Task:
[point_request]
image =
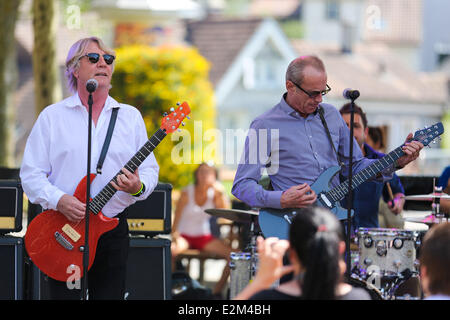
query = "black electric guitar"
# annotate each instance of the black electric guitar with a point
(276, 222)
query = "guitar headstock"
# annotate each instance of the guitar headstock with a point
(427, 135)
(172, 121)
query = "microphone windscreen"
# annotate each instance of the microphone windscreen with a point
(91, 85)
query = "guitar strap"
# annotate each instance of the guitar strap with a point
(322, 118)
(112, 123)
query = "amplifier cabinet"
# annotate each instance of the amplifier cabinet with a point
(11, 268)
(149, 271)
(11, 198)
(153, 215)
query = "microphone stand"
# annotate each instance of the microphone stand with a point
(84, 283)
(350, 193)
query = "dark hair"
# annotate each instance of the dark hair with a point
(315, 235)
(346, 108)
(216, 173)
(435, 256)
(376, 134)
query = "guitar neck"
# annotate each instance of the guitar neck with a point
(339, 192)
(108, 191)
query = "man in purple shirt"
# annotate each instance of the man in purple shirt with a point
(290, 142)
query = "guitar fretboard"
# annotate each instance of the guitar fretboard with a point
(108, 191)
(339, 192)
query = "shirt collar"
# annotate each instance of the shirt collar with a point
(75, 101)
(289, 110)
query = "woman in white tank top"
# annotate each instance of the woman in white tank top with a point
(191, 227)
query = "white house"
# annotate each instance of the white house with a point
(248, 60)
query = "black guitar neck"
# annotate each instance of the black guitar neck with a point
(339, 192)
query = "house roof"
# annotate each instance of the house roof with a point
(220, 41)
(377, 72)
(398, 22)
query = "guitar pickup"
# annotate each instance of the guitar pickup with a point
(287, 218)
(325, 200)
(63, 241)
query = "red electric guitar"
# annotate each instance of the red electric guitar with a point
(56, 245)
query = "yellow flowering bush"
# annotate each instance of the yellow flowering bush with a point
(154, 79)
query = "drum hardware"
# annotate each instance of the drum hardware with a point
(436, 215)
(243, 265)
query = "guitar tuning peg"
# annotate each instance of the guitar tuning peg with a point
(189, 118)
(178, 103)
(165, 114)
(172, 109)
(183, 124)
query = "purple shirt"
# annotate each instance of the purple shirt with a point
(299, 150)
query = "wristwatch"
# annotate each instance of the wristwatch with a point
(140, 192)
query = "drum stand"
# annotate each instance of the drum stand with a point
(435, 207)
(252, 248)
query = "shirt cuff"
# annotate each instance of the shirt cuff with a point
(54, 199)
(273, 199)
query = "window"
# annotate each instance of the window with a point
(332, 10)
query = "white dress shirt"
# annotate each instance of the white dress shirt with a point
(55, 156)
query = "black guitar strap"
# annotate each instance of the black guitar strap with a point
(112, 123)
(322, 118)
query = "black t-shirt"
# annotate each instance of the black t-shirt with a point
(273, 294)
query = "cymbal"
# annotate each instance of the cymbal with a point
(427, 197)
(429, 220)
(234, 214)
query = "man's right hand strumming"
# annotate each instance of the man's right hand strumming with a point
(299, 196)
(71, 207)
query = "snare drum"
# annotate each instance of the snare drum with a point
(387, 251)
(242, 271)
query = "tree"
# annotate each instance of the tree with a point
(45, 68)
(154, 79)
(8, 75)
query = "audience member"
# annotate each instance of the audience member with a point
(435, 262)
(191, 226)
(316, 247)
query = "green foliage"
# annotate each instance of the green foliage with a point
(446, 136)
(293, 29)
(154, 79)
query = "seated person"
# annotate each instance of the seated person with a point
(316, 248)
(389, 210)
(191, 226)
(444, 182)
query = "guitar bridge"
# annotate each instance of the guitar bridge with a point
(63, 241)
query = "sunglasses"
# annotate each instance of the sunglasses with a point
(313, 94)
(94, 57)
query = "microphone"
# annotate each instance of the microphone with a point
(91, 85)
(350, 94)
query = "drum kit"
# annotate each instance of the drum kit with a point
(384, 261)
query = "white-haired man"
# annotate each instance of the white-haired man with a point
(55, 156)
